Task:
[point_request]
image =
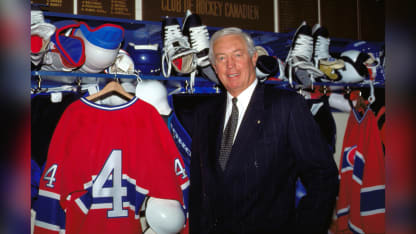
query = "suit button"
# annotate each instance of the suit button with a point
(216, 222)
(213, 226)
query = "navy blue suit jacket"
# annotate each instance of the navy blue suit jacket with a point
(277, 142)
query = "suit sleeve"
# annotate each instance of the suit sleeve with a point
(316, 168)
(195, 192)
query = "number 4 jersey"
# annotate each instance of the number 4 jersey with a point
(102, 162)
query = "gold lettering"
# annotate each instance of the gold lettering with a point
(163, 5)
(204, 7)
(227, 9)
(219, 4)
(201, 7)
(171, 5)
(256, 15)
(210, 7)
(241, 11)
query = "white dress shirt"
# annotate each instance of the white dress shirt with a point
(242, 103)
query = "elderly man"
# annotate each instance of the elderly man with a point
(249, 146)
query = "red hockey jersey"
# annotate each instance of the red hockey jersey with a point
(102, 163)
(361, 199)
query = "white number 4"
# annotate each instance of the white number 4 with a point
(111, 171)
(179, 170)
(50, 175)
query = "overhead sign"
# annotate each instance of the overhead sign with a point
(56, 5)
(109, 8)
(246, 14)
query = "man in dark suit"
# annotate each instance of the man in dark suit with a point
(248, 185)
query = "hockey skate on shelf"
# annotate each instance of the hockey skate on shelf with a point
(177, 51)
(321, 57)
(199, 38)
(299, 66)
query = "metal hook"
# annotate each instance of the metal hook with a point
(138, 78)
(78, 82)
(115, 77)
(186, 86)
(192, 82)
(217, 88)
(372, 98)
(347, 90)
(39, 82)
(37, 89)
(325, 90)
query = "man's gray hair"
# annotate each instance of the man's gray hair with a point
(230, 31)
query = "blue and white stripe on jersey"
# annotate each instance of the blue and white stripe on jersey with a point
(52, 218)
(133, 200)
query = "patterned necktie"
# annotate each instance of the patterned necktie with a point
(228, 135)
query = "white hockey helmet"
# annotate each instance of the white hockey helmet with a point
(164, 216)
(154, 93)
(101, 45)
(355, 70)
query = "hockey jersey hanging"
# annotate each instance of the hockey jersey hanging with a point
(102, 163)
(361, 199)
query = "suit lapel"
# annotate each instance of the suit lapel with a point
(215, 123)
(250, 125)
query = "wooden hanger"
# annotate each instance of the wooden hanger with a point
(111, 87)
(361, 105)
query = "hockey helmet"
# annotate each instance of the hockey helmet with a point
(355, 70)
(377, 53)
(146, 58)
(164, 216)
(101, 45)
(367, 47)
(154, 93)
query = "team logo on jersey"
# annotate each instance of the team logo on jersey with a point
(353, 160)
(348, 158)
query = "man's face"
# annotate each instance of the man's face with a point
(233, 65)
